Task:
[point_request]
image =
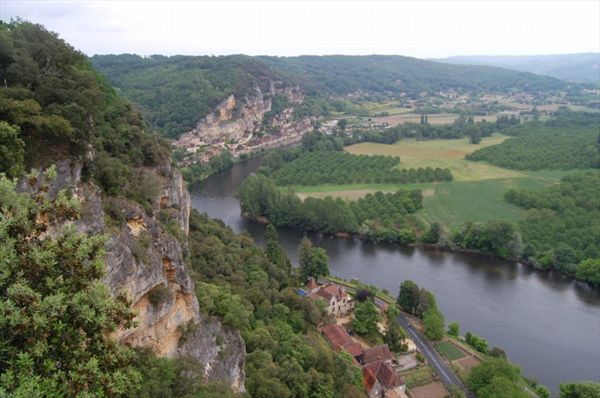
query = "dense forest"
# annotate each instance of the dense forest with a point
(545, 147)
(53, 105)
(562, 226)
(252, 289)
(342, 74)
(175, 92)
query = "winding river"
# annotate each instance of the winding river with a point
(547, 323)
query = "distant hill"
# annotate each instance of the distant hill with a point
(342, 74)
(584, 67)
(175, 92)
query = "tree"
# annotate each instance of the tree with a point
(274, 251)
(366, 317)
(408, 297)
(313, 261)
(433, 324)
(56, 315)
(453, 329)
(589, 270)
(12, 150)
(395, 337)
(586, 389)
(494, 375)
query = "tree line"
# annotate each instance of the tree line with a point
(377, 216)
(315, 168)
(544, 147)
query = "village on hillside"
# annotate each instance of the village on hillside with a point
(386, 373)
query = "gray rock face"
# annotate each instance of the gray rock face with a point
(146, 263)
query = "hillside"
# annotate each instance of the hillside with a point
(341, 74)
(584, 67)
(174, 93)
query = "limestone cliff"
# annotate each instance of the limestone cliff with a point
(145, 261)
(235, 122)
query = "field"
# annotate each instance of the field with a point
(476, 194)
(450, 351)
(434, 118)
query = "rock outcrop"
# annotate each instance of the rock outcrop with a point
(145, 261)
(235, 122)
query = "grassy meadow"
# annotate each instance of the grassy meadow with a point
(476, 194)
(432, 118)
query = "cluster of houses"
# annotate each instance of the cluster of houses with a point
(379, 378)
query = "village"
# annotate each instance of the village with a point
(385, 373)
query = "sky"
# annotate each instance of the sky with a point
(423, 29)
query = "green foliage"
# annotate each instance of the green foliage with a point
(313, 261)
(175, 92)
(585, 389)
(454, 329)
(433, 324)
(544, 147)
(332, 167)
(56, 315)
(287, 357)
(341, 74)
(377, 217)
(415, 300)
(497, 237)
(365, 319)
(562, 224)
(12, 150)
(496, 378)
(159, 295)
(394, 336)
(479, 343)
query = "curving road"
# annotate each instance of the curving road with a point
(441, 368)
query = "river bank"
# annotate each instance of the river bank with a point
(518, 308)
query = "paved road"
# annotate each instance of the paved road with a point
(441, 368)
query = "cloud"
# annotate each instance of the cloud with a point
(423, 29)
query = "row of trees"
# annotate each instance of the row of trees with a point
(377, 216)
(543, 147)
(317, 168)
(562, 225)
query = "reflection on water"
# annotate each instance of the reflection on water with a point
(547, 323)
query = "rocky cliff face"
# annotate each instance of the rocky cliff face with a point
(234, 120)
(145, 262)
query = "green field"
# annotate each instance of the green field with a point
(450, 351)
(476, 194)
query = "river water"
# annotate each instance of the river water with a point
(547, 323)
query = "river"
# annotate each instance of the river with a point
(547, 323)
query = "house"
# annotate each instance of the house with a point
(340, 340)
(381, 381)
(339, 303)
(379, 353)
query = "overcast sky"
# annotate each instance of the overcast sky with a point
(421, 29)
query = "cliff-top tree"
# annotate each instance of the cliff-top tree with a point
(56, 315)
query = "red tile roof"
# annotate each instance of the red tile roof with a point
(379, 353)
(380, 371)
(329, 291)
(341, 340)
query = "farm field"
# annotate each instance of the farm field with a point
(476, 194)
(439, 118)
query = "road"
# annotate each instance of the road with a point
(441, 368)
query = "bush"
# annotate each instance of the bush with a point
(159, 295)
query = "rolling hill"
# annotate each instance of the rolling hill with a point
(583, 67)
